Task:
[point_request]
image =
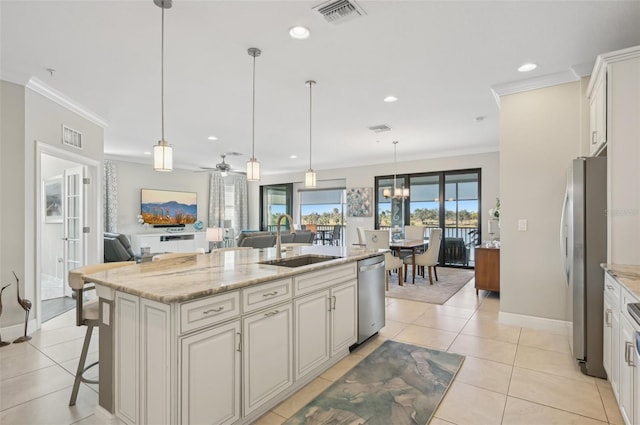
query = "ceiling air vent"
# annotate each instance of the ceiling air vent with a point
(338, 11)
(380, 128)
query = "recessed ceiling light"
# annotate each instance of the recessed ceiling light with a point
(527, 67)
(147, 153)
(212, 138)
(390, 99)
(293, 156)
(479, 118)
(299, 32)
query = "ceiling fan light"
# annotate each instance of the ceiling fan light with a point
(253, 170)
(163, 156)
(310, 178)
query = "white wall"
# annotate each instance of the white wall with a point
(363, 176)
(27, 119)
(133, 176)
(540, 132)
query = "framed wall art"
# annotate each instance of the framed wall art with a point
(360, 202)
(53, 200)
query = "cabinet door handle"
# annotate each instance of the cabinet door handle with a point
(213, 310)
(270, 294)
(628, 353)
(239, 349)
(334, 301)
(271, 313)
(608, 317)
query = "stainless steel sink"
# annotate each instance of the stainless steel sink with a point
(301, 260)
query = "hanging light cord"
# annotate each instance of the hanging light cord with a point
(395, 166)
(162, 74)
(253, 112)
(310, 106)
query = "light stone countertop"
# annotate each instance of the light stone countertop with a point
(187, 278)
(627, 275)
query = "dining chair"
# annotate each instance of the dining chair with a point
(87, 314)
(429, 258)
(170, 255)
(379, 239)
(334, 236)
(412, 233)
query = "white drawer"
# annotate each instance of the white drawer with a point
(209, 311)
(612, 290)
(313, 281)
(260, 296)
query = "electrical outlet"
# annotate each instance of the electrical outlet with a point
(522, 225)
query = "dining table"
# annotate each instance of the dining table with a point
(409, 244)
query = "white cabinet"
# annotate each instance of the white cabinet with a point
(598, 112)
(210, 376)
(614, 93)
(344, 318)
(169, 242)
(267, 355)
(626, 396)
(326, 322)
(312, 331)
(619, 348)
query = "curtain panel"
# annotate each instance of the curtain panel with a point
(241, 201)
(216, 200)
(110, 204)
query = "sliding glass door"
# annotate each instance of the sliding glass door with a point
(275, 200)
(461, 206)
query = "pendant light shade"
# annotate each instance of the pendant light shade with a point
(162, 156)
(310, 175)
(162, 152)
(253, 166)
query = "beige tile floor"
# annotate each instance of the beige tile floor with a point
(510, 375)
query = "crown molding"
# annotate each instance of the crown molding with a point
(541, 82)
(612, 57)
(14, 77)
(62, 100)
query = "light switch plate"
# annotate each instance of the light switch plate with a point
(522, 225)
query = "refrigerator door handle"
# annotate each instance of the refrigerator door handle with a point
(564, 237)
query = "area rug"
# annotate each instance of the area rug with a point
(450, 280)
(396, 384)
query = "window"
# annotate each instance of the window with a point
(323, 209)
(449, 200)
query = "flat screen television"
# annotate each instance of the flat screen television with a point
(168, 207)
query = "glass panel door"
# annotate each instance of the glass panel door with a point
(275, 201)
(461, 206)
(73, 215)
(322, 211)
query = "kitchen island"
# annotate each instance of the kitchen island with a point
(222, 337)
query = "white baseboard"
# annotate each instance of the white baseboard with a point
(561, 327)
(14, 331)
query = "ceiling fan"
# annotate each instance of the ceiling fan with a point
(223, 166)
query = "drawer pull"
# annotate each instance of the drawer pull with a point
(270, 294)
(213, 310)
(609, 286)
(271, 313)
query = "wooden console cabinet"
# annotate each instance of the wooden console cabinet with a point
(487, 269)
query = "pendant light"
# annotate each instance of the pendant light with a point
(253, 166)
(398, 192)
(162, 152)
(310, 175)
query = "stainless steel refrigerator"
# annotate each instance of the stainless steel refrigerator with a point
(584, 247)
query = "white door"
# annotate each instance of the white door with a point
(73, 220)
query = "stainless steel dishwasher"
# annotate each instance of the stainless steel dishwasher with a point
(371, 304)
